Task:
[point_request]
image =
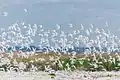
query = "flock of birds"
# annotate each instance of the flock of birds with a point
(55, 40)
(21, 34)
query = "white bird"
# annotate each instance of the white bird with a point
(71, 25)
(91, 25)
(40, 26)
(87, 32)
(58, 26)
(25, 10)
(106, 24)
(82, 27)
(5, 14)
(22, 23)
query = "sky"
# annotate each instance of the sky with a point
(63, 12)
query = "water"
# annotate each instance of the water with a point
(62, 12)
(27, 37)
(66, 24)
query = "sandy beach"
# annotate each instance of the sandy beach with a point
(60, 75)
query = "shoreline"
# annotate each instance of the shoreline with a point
(61, 75)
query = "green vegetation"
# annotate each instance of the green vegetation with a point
(89, 62)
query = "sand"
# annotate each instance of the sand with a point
(60, 75)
